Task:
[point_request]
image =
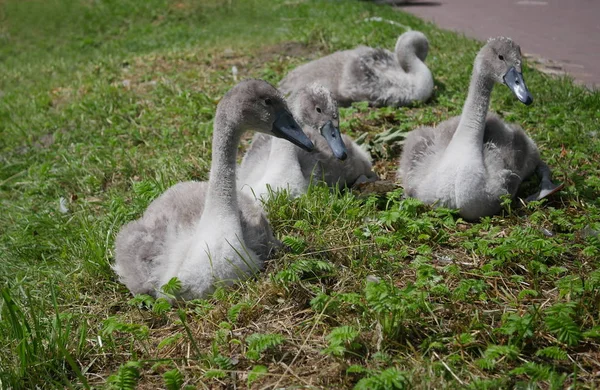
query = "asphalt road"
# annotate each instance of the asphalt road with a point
(564, 35)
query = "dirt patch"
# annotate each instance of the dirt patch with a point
(62, 96)
(45, 141)
(199, 69)
(287, 49)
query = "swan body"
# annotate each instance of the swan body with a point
(468, 162)
(205, 233)
(338, 160)
(140, 243)
(377, 76)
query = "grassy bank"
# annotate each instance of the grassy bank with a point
(105, 104)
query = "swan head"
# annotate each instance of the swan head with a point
(412, 42)
(257, 105)
(315, 107)
(501, 59)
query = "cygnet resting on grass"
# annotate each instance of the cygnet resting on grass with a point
(205, 233)
(470, 161)
(377, 76)
(277, 164)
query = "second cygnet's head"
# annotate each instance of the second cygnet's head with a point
(316, 109)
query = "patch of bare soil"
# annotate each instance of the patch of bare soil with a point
(199, 68)
(287, 49)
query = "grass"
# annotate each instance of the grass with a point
(105, 104)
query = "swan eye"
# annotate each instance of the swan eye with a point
(268, 101)
(501, 57)
(319, 110)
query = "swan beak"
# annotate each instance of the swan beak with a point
(514, 80)
(334, 139)
(285, 127)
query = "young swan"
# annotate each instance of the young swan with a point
(377, 76)
(279, 165)
(197, 231)
(469, 162)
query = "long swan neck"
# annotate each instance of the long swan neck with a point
(410, 63)
(472, 120)
(221, 199)
(407, 57)
(408, 60)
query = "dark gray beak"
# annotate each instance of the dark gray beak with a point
(334, 139)
(514, 81)
(286, 127)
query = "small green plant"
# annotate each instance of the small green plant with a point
(517, 327)
(126, 377)
(113, 324)
(392, 305)
(172, 287)
(223, 362)
(305, 269)
(559, 320)
(173, 379)
(539, 372)
(114, 330)
(342, 340)
(256, 373)
(593, 333)
(159, 306)
(296, 244)
(494, 353)
(388, 379)
(141, 301)
(553, 352)
(258, 343)
(470, 288)
(234, 311)
(169, 340)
